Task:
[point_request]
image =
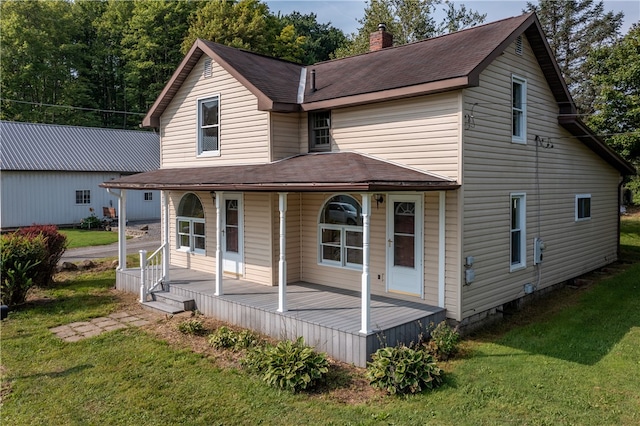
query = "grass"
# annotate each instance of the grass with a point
(572, 358)
(86, 238)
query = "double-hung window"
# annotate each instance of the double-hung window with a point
(583, 207)
(319, 131)
(340, 233)
(518, 249)
(518, 109)
(209, 126)
(191, 225)
(83, 196)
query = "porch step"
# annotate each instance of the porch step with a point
(179, 302)
(162, 307)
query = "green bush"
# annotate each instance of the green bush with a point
(225, 338)
(402, 369)
(19, 260)
(56, 244)
(192, 326)
(288, 365)
(444, 341)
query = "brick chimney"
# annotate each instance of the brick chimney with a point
(380, 39)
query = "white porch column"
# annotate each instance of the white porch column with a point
(219, 291)
(366, 280)
(165, 237)
(441, 246)
(282, 264)
(122, 230)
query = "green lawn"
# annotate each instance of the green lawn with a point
(571, 359)
(85, 238)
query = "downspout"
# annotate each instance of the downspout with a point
(618, 252)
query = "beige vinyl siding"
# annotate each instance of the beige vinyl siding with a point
(244, 131)
(421, 132)
(200, 262)
(314, 272)
(494, 167)
(258, 242)
(285, 130)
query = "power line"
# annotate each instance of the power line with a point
(72, 107)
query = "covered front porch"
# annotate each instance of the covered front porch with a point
(327, 317)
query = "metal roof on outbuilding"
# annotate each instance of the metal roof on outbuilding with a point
(52, 147)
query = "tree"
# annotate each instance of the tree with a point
(151, 48)
(245, 24)
(574, 28)
(617, 105)
(320, 40)
(408, 21)
(40, 61)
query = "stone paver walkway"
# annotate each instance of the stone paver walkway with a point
(83, 329)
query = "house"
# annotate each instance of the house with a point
(473, 181)
(51, 173)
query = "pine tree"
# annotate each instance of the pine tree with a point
(574, 28)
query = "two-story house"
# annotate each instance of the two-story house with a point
(367, 196)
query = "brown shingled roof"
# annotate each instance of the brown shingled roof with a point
(336, 171)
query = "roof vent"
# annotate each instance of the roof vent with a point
(207, 68)
(519, 45)
(380, 39)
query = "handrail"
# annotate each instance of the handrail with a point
(151, 272)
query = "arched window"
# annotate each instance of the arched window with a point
(190, 225)
(340, 232)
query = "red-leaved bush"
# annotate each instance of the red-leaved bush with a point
(56, 244)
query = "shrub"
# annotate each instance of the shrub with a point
(444, 341)
(19, 259)
(225, 338)
(56, 244)
(402, 369)
(288, 365)
(192, 326)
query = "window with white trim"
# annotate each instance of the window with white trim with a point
(191, 225)
(83, 196)
(518, 237)
(209, 126)
(148, 196)
(340, 232)
(320, 131)
(583, 207)
(518, 109)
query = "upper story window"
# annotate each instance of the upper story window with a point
(583, 207)
(319, 129)
(148, 196)
(190, 224)
(518, 232)
(519, 110)
(209, 126)
(83, 196)
(340, 232)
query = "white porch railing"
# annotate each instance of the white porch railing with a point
(151, 272)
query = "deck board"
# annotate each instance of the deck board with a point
(327, 317)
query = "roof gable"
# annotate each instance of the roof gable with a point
(32, 146)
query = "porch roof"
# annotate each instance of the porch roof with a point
(319, 172)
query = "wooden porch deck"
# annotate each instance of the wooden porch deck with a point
(327, 317)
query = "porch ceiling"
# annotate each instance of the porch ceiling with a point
(336, 171)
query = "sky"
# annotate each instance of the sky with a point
(343, 14)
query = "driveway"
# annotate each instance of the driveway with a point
(150, 241)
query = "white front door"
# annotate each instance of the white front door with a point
(405, 244)
(232, 234)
